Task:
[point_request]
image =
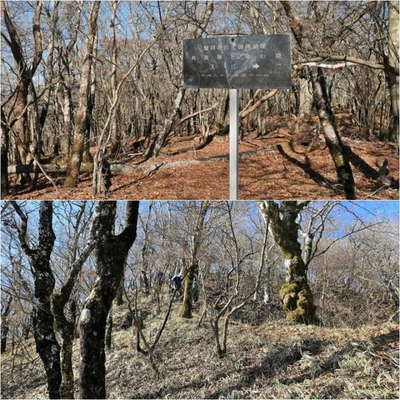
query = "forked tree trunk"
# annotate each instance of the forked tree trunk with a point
(66, 327)
(111, 252)
(295, 294)
(43, 278)
(25, 74)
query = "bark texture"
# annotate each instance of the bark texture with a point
(66, 326)
(111, 252)
(25, 73)
(4, 324)
(321, 99)
(4, 154)
(190, 269)
(81, 118)
(332, 138)
(391, 76)
(43, 278)
(295, 294)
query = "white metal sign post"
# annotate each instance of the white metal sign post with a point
(233, 144)
(247, 62)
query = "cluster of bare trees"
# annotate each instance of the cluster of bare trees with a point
(64, 263)
(49, 308)
(81, 75)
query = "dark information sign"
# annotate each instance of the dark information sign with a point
(248, 62)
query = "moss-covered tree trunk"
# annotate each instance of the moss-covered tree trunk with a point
(190, 269)
(43, 278)
(295, 293)
(189, 273)
(111, 252)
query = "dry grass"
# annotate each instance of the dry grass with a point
(274, 360)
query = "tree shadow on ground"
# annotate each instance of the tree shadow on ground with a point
(306, 167)
(383, 340)
(41, 184)
(274, 361)
(333, 362)
(366, 169)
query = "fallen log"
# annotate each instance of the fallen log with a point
(120, 169)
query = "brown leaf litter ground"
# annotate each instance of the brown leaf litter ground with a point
(267, 175)
(274, 360)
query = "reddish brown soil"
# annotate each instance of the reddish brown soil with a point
(262, 176)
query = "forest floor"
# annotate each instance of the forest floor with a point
(276, 359)
(267, 173)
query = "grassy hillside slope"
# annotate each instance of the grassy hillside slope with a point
(273, 360)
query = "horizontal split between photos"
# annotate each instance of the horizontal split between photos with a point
(199, 299)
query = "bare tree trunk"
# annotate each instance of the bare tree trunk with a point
(5, 140)
(158, 142)
(4, 324)
(81, 117)
(191, 269)
(119, 299)
(67, 373)
(321, 98)
(189, 272)
(332, 138)
(111, 252)
(66, 327)
(65, 67)
(25, 74)
(42, 317)
(392, 77)
(306, 97)
(115, 132)
(109, 330)
(144, 279)
(90, 125)
(295, 293)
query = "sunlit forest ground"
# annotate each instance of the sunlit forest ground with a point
(296, 172)
(274, 359)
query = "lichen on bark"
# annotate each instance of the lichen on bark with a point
(295, 293)
(110, 252)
